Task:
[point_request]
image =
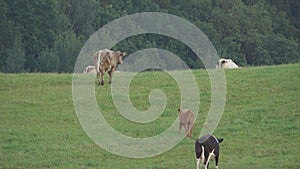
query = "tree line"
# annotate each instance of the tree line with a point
(47, 35)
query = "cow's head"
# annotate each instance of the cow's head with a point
(119, 55)
(220, 140)
(224, 61)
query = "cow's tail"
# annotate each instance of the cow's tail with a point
(98, 61)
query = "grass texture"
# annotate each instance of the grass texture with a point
(260, 123)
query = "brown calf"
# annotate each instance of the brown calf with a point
(186, 119)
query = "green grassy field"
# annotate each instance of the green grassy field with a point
(261, 121)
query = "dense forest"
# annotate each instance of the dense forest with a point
(47, 35)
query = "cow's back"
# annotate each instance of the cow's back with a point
(186, 116)
(98, 57)
(230, 65)
(226, 64)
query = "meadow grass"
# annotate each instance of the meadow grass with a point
(260, 123)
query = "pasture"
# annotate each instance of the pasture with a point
(260, 124)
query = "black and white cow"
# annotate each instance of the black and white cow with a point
(205, 147)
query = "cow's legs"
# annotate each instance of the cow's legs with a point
(180, 125)
(187, 131)
(186, 128)
(199, 155)
(110, 76)
(98, 78)
(206, 160)
(217, 160)
(191, 130)
(102, 81)
(198, 162)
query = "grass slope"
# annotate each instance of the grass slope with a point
(260, 123)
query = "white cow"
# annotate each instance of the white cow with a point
(226, 64)
(90, 70)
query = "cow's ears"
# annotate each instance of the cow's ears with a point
(124, 53)
(179, 110)
(220, 140)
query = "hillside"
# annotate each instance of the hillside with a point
(260, 124)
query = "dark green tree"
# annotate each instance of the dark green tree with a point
(66, 49)
(44, 35)
(16, 56)
(39, 23)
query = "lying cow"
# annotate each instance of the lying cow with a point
(205, 147)
(186, 119)
(226, 64)
(106, 61)
(90, 70)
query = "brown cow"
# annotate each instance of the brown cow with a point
(106, 61)
(186, 119)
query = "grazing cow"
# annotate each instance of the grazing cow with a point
(186, 119)
(205, 147)
(106, 61)
(90, 70)
(226, 64)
